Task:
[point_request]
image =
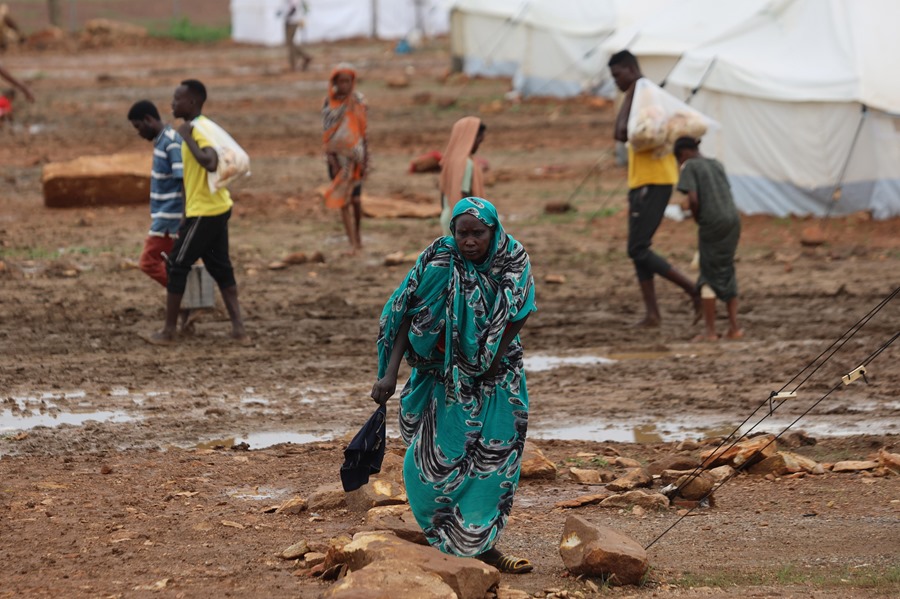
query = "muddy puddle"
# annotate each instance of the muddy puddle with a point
(24, 413)
(545, 362)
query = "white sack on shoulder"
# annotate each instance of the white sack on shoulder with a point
(233, 160)
(658, 118)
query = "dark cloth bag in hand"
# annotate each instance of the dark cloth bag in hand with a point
(364, 454)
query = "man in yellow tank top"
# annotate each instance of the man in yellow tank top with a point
(204, 232)
(650, 183)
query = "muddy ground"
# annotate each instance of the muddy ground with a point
(113, 475)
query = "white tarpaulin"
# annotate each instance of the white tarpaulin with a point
(548, 47)
(790, 94)
(804, 91)
(661, 38)
(259, 21)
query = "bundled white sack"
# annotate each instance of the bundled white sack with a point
(658, 118)
(234, 162)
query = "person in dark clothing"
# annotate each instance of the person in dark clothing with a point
(650, 182)
(719, 229)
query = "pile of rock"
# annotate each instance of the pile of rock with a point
(388, 552)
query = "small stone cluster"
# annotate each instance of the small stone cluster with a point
(389, 556)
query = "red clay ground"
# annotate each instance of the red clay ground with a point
(128, 499)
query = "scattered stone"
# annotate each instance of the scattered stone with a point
(327, 497)
(277, 265)
(585, 476)
(591, 550)
(399, 520)
(504, 592)
(667, 477)
(468, 577)
(294, 505)
(672, 462)
(400, 257)
(156, 586)
(391, 578)
(794, 439)
(751, 450)
(854, 465)
(106, 469)
(296, 258)
(552, 279)
(890, 461)
(721, 473)
(633, 479)
(692, 504)
(397, 81)
(813, 235)
(626, 463)
(295, 551)
(786, 462)
(313, 558)
(231, 524)
(582, 500)
(695, 487)
(535, 464)
(648, 501)
(558, 207)
(107, 180)
(687, 445)
(376, 493)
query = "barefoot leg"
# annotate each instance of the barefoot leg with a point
(648, 294)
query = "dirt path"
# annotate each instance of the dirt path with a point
(101, 507)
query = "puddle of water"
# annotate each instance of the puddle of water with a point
(645, 355)
(265, 439)
(537, 363)
(19, 421)
(542, 362)
(628, 433)
(680, 431)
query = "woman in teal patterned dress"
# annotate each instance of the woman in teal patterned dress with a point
(464, 411)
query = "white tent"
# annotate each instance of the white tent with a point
(259, 22)
(661, 38)
(805, 92)
(548, 47)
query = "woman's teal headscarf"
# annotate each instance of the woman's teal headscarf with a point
(458, 306)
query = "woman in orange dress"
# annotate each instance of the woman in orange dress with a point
(344, 138)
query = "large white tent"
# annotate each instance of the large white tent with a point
(805, 93)
(548, 47)
(260, 22)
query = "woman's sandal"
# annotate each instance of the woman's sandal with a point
(508, 564)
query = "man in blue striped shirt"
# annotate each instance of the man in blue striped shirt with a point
(166, 188)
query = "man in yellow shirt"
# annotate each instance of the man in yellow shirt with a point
(650, 183)
(204, 232)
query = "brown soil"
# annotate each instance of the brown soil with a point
(139, 494)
